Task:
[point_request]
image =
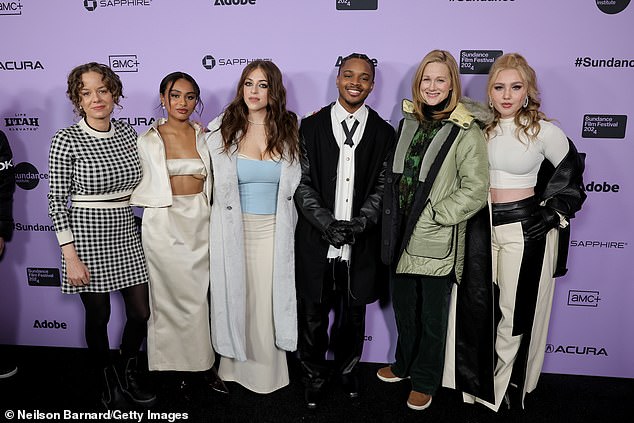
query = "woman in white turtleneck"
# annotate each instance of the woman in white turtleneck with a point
(526, 221)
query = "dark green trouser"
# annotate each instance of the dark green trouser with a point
(421, 308)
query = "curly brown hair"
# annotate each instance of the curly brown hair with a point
(281, 124)
(75, 84)
(527, 118)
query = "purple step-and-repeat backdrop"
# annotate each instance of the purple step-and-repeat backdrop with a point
(582, 51)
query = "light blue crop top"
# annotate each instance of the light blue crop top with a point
(258, 182)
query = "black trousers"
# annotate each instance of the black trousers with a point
(346, 334)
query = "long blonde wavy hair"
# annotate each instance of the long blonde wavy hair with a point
(527, 118)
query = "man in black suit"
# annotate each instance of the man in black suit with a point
(337, 243)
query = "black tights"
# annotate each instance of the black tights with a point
(97, 306)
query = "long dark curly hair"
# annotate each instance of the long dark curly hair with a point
(281, 124)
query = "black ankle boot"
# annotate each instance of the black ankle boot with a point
(131, 386)
(112, 396)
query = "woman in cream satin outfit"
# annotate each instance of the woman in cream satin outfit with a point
(175, 192)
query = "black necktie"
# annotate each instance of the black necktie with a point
(348, 133)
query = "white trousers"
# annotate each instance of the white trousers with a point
(508, 254)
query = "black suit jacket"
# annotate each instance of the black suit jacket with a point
(315, 199)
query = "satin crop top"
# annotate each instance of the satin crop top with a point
(186, 167)
(258, 182)
(514, 163)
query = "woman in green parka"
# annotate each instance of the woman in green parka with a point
(437, 179)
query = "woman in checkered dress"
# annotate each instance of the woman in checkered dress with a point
(94, 163)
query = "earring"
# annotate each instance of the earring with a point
(163, 106)
(525, 102)
(490, 103)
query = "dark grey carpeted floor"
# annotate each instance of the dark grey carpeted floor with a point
(51, 380)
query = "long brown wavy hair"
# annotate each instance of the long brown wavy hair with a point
(281, 124)
(527, 118)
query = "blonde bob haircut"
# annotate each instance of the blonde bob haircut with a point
(444, 57)
(527, 118)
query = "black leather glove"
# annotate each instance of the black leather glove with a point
(336, 234)
(543, 220)
(353, 227)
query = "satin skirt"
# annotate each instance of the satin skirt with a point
(265, 369)
(176, 245)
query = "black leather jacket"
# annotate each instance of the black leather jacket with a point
(561, 189)
(7, 186)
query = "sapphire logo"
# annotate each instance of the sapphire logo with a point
(612, 7)
(10, 8)
(14, 65)
(575, 350)
(357, 4)
(90, 5)
(209, 62)
(43, 276)
(618, 245)
(27, 176)
(124, 62)
(22, 122)
(583, 298)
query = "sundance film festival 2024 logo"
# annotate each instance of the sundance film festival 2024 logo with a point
(43, 276)
(92, 5)
(604, 126)
(357, 4)
(477, 61)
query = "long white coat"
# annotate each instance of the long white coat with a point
(228, 274)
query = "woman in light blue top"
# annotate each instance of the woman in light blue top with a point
(255, 161)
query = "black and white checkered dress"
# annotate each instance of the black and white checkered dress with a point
(83, 162)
